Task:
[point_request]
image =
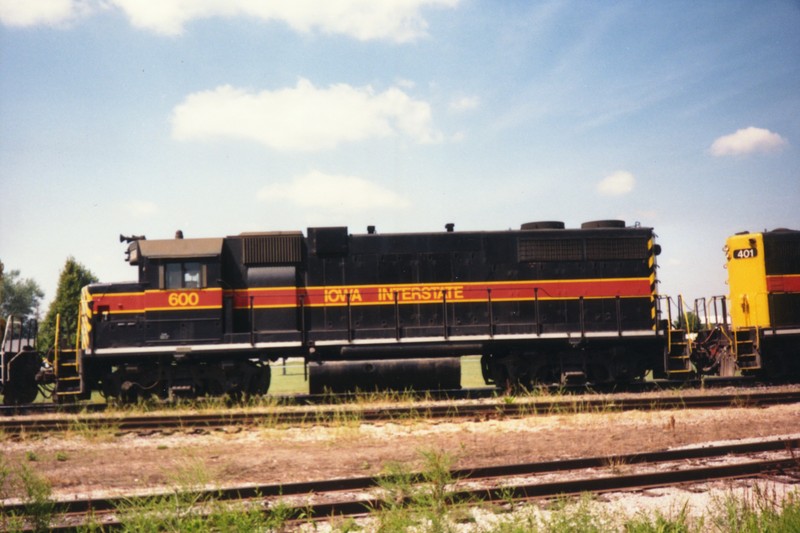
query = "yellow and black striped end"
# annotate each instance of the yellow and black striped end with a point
(651, 265)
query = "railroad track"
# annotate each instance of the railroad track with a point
(351, 497)
(501, 408)
(707, 382)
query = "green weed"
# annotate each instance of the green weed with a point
(38, 504)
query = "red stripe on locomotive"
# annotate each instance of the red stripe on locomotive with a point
(788, 283)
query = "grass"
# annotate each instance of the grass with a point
(35, 492)
(413, 505)
(413, 502)
(187, 509)
(288, 378)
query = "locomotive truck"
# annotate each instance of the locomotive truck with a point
(540, 304)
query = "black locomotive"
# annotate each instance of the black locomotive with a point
(539, 304)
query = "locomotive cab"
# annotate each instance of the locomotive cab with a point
(764, 280)
(178, 296)
(165, 334)
(183, 297)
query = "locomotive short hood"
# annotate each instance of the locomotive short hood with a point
(174, 249)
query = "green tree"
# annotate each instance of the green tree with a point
(74, 276)
(694, 322)
(18, 297)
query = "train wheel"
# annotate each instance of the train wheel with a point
(259, 382)
(517, 373)
(20, 394)
(22, 389)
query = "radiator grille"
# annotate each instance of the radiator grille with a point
(782, 253)
(611, 249)
(550, 250)
(579, 249)
(272, 249)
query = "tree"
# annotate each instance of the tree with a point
(694, 322)
(74, 276)
(18, 297)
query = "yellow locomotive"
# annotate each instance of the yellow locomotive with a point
(764, 301)
(756, 327)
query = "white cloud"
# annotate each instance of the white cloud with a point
(24, 13)
(303, 117)
(335, 192)
(464, 104)
(393, 20)
(616, 184)
(747, 141)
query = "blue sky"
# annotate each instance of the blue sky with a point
(224, 116)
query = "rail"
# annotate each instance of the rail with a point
(438, 410)
(504, 483)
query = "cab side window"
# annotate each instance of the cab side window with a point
(182, 276)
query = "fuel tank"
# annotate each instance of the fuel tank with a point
(385, 375)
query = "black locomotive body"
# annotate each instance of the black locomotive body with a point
(539, 304)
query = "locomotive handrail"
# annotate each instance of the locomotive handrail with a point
(490, 312)
(303, 334)
(16, 332)
(670, 329)
(19, 330)
(697, 309)
(23, 349)
(8, 325)
(57, 344)
(444, 315)
(349, 318)
(252, 322)
(349, 300)
(3, 353)
(397, 332)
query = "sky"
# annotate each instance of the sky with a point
(218, 117)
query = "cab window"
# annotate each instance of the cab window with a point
(182, 276)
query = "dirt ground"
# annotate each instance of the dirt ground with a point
(81, 464)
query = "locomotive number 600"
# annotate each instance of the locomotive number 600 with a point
(183, 299)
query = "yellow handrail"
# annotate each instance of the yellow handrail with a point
(57, 342)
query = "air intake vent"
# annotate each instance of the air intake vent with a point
(616, 249)
(272, 249)
(550, 250)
